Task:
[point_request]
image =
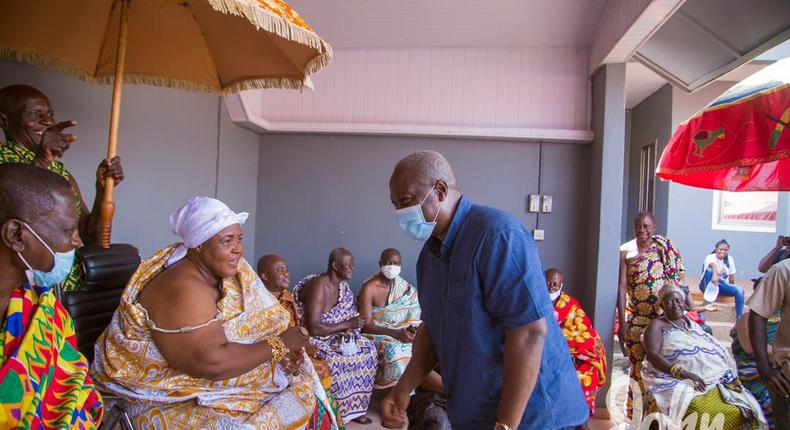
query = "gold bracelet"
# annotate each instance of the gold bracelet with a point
(278, 348)
(675, 370)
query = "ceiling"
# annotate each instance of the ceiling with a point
(706, 39)
(453, 23)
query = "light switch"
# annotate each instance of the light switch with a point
(538, 234)
(534, 203)
(547, 201)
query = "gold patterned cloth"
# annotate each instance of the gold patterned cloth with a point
(129, 364)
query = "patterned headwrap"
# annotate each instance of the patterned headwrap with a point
(670, 288)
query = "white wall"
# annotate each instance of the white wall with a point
(169, 146)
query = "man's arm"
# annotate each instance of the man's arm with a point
(423, 360)
(365, 302)
(314, 301)
(522, 358)
(772, 376)
(768, 261)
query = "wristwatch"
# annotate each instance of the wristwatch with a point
(500, 426)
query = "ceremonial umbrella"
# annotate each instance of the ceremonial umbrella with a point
(739, 142)
(217, 46)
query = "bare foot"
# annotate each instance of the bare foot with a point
(362, 420)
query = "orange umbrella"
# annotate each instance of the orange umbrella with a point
(218, 46)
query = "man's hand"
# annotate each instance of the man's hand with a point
(55, 141)
(293, 339)
(393, 409)
(405, 335)
(776, 381)
(292, 361)
(109, 169)
(357, 323)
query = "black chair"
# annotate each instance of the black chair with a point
(107, 271)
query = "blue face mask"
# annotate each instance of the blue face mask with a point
(60, 270)
(412, 221)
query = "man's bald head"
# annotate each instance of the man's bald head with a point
(337, 255)
(13, 97)
(267, 261)
(554, 279)
(425, 168)
(341, 262)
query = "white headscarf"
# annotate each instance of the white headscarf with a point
(198, 220)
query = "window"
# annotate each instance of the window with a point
(647, 177)
(747, 211)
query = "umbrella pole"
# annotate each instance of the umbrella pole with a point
(107, 204)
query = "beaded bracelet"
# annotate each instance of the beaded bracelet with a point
(675, 371)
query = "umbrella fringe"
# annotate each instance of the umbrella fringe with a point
(48, 62)
(270, 22)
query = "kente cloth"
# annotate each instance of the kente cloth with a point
(289, 303)
(646, 273)
(699, 353)
(129, 364)
(585, 345)
(401, 311)
(44, 381)
(747, 368)
(12, 152)
(352, 375)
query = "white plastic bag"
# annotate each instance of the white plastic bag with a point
(348, 345)
(711, 292)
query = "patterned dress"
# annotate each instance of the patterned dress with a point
(12, 152)
(44, 380)
(401, 311)
(352, 375)
(646, 274)
(589, 356)
(129, 364)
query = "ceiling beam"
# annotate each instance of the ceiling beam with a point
(624, 26)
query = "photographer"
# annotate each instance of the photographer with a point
(775, 255)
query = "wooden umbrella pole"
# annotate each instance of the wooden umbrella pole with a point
(107, 204)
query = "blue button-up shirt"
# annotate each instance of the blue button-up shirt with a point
(483, 279)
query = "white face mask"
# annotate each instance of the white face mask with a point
(555, 295)
(390, 271)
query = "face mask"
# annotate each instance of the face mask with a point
(390, 271)
(555, 295)
(60, 270)
(412, 221)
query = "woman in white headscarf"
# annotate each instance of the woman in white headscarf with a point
(691, 376)
(198, 341)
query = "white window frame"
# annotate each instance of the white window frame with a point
(739, 225)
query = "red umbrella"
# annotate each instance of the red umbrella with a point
(739, 142)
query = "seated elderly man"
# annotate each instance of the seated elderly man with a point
(390, 307)
(331, 317)
(198, 342)
(33, 137)
(276, 277)
(584, 343)
(44, 380)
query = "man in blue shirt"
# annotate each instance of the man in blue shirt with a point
(487, 315)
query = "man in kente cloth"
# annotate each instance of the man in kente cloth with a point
(331, 317)
(275, 276)
(44, 380)
(33, 137)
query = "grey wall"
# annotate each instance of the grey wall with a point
(690, 209)
(169, 146)
(651, 121)
(317, 192)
